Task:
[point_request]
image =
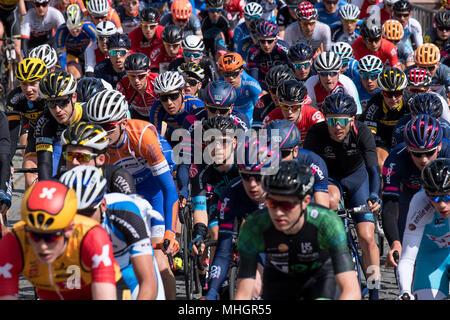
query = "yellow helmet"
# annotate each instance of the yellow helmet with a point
(85, 134)
(392, 30)
(48, 206)
(427, 54)
(30, 70)
(57, 84)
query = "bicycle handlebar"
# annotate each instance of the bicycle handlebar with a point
(343, 213)
(25, 170)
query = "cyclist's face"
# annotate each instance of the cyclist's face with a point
(403, 17)
(424, 157)
(30, 90)
(338, 132)
(307, 27)
(349, 27)
(370, 84)
(41, 8)
(75, 32)
(172, 49)
(101, 43)
(131, 6)
(119, 60)
(148, 29)
(115, 134)
(330, 6)
(220, 149)
(393, 102)
(285, 217)
(267, 44)
(443, 33)
(64, 114)
(191, 57)
(180, 22)
(172, 106)
(292, 114)
(75, 162)
(442, 207)
(329, 82)
(138, 80)
(254, 189)
(302, 69)
(192, 89)
(48, 252)
(373, 45)
(234, 79)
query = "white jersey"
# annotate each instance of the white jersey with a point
(321, 35)
(413, 30)
(34, 27)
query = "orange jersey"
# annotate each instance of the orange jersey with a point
(114, 18)
(78, 2)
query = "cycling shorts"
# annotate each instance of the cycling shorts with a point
(11, 23)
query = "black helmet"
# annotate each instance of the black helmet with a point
(339, 103)
(301, 51)
(292, 2)
(292, 91)
(277, 74)
(370, 29)
(436, 176)
(402, 6)
(253, 25)
(426, 103)
(442, 18)
(150, 15)
(291, 179)
(214, 3)
(392, 79)
(137, 62)
(172, 34)
(119, 40)
(87, 87)
(220, 123)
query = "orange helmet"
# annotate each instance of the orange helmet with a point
(427, 54)
(181, 9)
(230, 62)
(392, 30)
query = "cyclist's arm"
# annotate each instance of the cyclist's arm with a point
(121, 180)
(12, 263)
(44, 147)
(14, 130)
(25, 33)
(61, 35)
(370, 158)
(22, 7)
(5, 148)
(348, 283)
(89, 53)
(103, 291)
(252, 66)
(145, 275)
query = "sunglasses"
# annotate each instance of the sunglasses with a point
(99, 17)
(195, 55)
(80, 156)
(372, 40)
(149, 25)
(129, 3)
(182, 20)
(232, 74)
(393, 94)
(43, 4)
(286, 152)
(250, 18)
(109, 126)
(304, 65)
(213, 109)
(398, 15)
(191, 81)
(369, 76)
(342, 121)
(247, 176)
(118, 52)
(293, 7)
(330, 2)
(428, 68)
(308, 23)
(328, 73)
(438, 199)
(268, 41)
(140, 76)
(427, 154)
(103, 38)
(283, 205)
(52, 104)
(416, 90)
(446, 29)
(171, 96)
(293, 107)
(215, 10)
(47, 237)
(349, 21)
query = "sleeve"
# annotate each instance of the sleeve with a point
(25, 26)
(122, 181)
(44, 146)
(90, 50)
(59, 18)
(326, 38)
(320, 171)
(11, 265)
(61, 35)
(417, 32)
(13, 124)
(351, 90)
(392, 175)
(370, 157)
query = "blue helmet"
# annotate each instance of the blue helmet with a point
(267, 29)
(301, 51)
(339, 103)
(219, 93)
(288, 133)
(87, 87)
(423, 132)
(119, 40)
(258, 154)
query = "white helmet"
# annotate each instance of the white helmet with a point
(169, 81)
(328, 61)
(74, 16)
(46, 53)
(343, 49)
(370, 64)
(193, 43)
(390, 1)
(98, 8)
(88, 183)
(107, 106)
(349, 12)
(106, 28)
(253, 9)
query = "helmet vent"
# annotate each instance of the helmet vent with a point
(40, 219)
(48, 223)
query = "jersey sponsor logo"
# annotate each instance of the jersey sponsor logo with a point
(283, 247)
(4, 270)
(317, 117)
(103, 257)
(306, 247)
(193, 171)
(421, 213)
(388, 172)
(259, 104)
(328, 152)
(439, 222)
(215, 272)
(412, 227)
(316, 170)
(441, 241)
(314, 214)
(44, 147)
(393, 51)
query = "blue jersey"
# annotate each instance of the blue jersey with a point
(104, 70)
(239, 33)
(318, 167)
(364, 95)
(243, 46)
(352, 70)
(328, 18)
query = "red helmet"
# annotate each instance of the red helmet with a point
(306, 11)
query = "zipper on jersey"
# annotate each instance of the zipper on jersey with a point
(53, 283)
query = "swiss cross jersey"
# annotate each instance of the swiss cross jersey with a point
(140, 44)
(160, 60)
(387, 53)
(308, 117)
(343, 158)
(236, 8)
(262, 108)
(89, 254)
(139, 103)
(129, 23)
(367, 8)
(105, 70)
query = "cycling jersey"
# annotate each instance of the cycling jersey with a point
(192, 27)
(352, 69)
(211, 30)
(387, 53)
(140, 44)
(160, 60)
(262, 108)
(318, 168)
(208, 65)
(405, 54)
(329, 18)
(364, 95)
(105, 70)
(367, 9)
(269, 8)
(236, 9)
(295, 259)
(129, 23)
(320, 36)
(240, 32)
(441, 80)
(8, 5)
(5, 146)
(89, 254)
(338, 34)
(413, 33)
(432, 37)
(425, 262)
(139, 103)
(244, 45)
(284, 18)
(114, 18)
(99, 56)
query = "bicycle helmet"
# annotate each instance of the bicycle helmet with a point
(98, 8)
(181, 9)
(306, 11)
(343, 49)
(107, 106)
(48, 205)
(442, 18)
(392, 79)
(290, 3)
(267, 29)
(422, 132)
(300, 51)
(288, 135)
(370, 29)
(349, 12)
(119, 40)
(137, 62)
(46, 53)
(193, 43)
(150, 15)
(392, 30)
(339, 103)
(292, 179)
(278, 74)
(230, 62)
(402, 6)
(418, 77)
(85, 134)
(57, 84)
(191, 69)
(214, 3)
(169, 81)
(328, 61)
(426, 103)
(259, 155)
(253, 10)
(88, 183)
(219, 93)
(172, 34)
(105, 28)
(224, 124)
(74, 16)
(292, 91)
(30, 70)
(370, 64)
(427, 54)
(436, 176)
(88, 87)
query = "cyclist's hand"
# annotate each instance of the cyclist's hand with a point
(374, 202)
(406, 296)
(182, 201)
(174, 246)
(89, 74)
(5, 198)
(390, 261)
(198, 245)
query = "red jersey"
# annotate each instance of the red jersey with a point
(365, 8)
(384, 15)
(236, 7)
(99, 56)
(140, 44)
(160, 60)
(387, 53)
(309, 116)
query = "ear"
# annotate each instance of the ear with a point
(74, 97)
(100, 160)
(123, 125)
(68, 231)
(295, 152)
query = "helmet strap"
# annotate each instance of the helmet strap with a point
(299, 216)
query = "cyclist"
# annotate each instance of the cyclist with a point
(366, 80)
(5, 190)
(425, 239)
(62, 5)
(286, 15)
(123, 219)
(181, 15)
(24, 103)
(308, 29)
(346, 30)
(401, 171)
(75, 43)
(173, 105)
(392, 30)
(87, 87)
(413, 30)
(113, 69)
(38, 25)
(248, 90)
(289, 269)
(348, 148)
(134, 145)
(328, 10)
(148, 36)
(47, 54)
(47, 253)
(100, 10)
(301, 61)
(104, 30)
(349, 65)
(10, 23)
(128, 13)
(268, 52)
(252, 11)
(330, 80)
(193, 76)
(172, 36)
(292, 96)
(439, 35)
(235, 9)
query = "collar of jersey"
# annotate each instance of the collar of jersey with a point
(386, 110)
(125, 138)
(78, 112)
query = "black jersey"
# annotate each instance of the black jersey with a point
(206, 63)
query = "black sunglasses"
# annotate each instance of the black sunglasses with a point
(247, 176)
(268, 41)
(52, 104)
(192, 81)
(172, 96)
(443, 28)
(398, 15)
(232, 74)
(215, 109)
(427, 154)
(286, 152)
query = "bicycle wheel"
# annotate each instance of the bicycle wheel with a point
(232, 281)
(187, 258)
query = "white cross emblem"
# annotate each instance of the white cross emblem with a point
(4, 271)
(47, 193)
(96, 259)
